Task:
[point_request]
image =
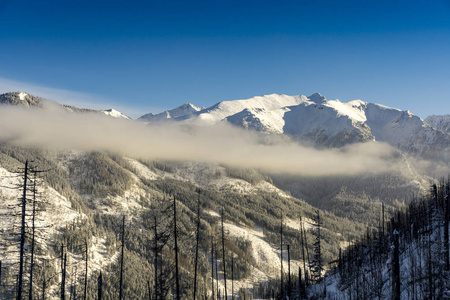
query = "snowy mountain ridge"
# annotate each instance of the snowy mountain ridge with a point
(321, 122)
(312, 120)
(181, 111)
(25, 99)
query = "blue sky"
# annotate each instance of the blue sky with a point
(146, 56)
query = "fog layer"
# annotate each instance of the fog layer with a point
(56, 129)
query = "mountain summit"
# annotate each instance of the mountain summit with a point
(21, 98)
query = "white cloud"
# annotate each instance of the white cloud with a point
(62, 130)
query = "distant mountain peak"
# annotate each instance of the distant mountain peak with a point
(317, 98)
(21, 98)
(181, 111)
(114, 113)
(25, 99)
(189, 106)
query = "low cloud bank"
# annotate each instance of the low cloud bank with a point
(56, 129)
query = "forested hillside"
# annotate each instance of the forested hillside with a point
(82, 198)
(405, 258)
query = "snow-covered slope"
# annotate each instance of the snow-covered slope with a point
(327, 123)
(184, 110)
(114, 113)
(439, 122)
(322, 122)
(258, 105)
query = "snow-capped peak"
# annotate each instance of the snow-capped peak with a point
(317, 98)
(114, 113)
(182, 111)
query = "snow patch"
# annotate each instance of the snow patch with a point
(22, 95)
(114, 113)
(266, 256)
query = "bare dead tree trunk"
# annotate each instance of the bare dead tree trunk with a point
(446, 237)
(196, 245)
(176, 249)
(99, 286)
(121, 260)
(212, 268)
(223, 262)
(232, 277)
(289, 271)
(382, 217)
(430, 263)
(44, 286)
(149, 290)
(22, 233)
(395, 267)
(156, 259)
(217, 269)
(301, 286)
(281, 257)
(86, 272)
(63, 281)
(33, 229)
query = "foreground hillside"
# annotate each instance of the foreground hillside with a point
(83, 196)
(406, 258)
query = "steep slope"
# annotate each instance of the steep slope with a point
(439, 122)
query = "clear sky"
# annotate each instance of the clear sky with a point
(146, 56)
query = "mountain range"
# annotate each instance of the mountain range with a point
(313, 120)
(322, 122)
(86, 193)
(24, 99)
